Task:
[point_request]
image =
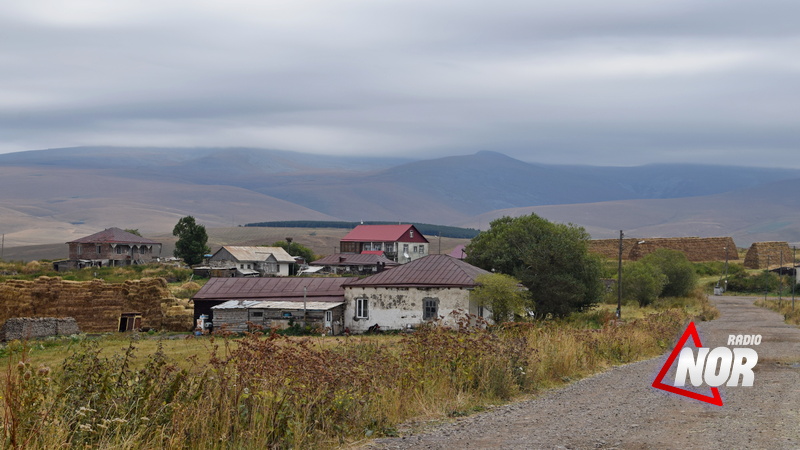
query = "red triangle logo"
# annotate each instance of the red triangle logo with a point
(658, 383)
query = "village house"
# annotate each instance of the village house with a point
(360, 264)
(246, 261)
(230, 303)
(423, 290)
(110, 247)
(399, 243)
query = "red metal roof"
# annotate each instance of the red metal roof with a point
(384, 233)
(319, 289)
(353, 259)
(113, 236)
(432, 270)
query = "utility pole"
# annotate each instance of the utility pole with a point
(780, 282)
(766, 280)
(305, 289)
(619, 279)
(2, 246)
(794, 272)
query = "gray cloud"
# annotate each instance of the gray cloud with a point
(612, 83)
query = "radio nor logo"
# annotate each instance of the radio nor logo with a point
(712, 367)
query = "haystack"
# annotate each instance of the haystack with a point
(96, 305)
(696, 249)
(764, 255)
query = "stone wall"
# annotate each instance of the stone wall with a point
(95, 305)
(37, 327)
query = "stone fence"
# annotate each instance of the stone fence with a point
(37, 327)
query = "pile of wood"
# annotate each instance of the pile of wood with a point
(765, 255)
(696, 249)
(96, 305)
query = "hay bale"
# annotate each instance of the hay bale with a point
(764, 255)
(696, 249)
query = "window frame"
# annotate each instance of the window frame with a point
(362, 308)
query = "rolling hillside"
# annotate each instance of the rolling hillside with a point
(53, 196)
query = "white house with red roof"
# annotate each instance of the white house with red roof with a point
(399, 243)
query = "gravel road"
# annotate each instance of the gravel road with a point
(620, 409)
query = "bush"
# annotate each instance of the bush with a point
(681, 276)
(643, 282)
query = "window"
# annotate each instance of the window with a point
(362, 308)
(257, 314)
(98, 249)
(389, 247)
(405, 248)
(377, 246)
(142, 250)
(367, 246)
(430, 308)
(119, 249)
(411, 233)
(422, 249)
(241, 266)
(415, 249)
(328, 316)
(80, 249)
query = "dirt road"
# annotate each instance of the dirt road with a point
(620, 409)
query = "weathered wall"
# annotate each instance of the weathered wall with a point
(763, 255)
(37, 327)
(95, 305)
(394, 308)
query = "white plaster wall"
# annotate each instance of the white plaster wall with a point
(395, 308)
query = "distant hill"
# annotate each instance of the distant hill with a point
(55, 195)
(769, 212)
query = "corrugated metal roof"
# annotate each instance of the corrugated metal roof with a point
(272, 304)
(353, 259)
(383, 233)
(268, 288)
(255, 253)
(433, 270)
(114, 235)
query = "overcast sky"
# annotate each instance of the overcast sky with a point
(575, 81)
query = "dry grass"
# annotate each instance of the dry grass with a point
(270, 391)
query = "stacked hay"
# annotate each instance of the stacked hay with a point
(696, 249)
(609, 248)
(95, 305)
(763, 255)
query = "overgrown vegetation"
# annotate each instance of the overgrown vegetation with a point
(269, 391)
(787, 307)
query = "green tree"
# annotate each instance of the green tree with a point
(502, 295)
(680, 272)
(192, 238)
(133, 231)
(552, 260)
(642, 282)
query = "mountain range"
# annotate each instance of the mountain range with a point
(55, 195)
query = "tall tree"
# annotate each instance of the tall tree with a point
(192, 238)
(681, 276)
(552, 260)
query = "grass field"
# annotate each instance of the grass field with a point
(261, 391)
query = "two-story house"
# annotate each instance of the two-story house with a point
(110, 247)
(399, 243)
